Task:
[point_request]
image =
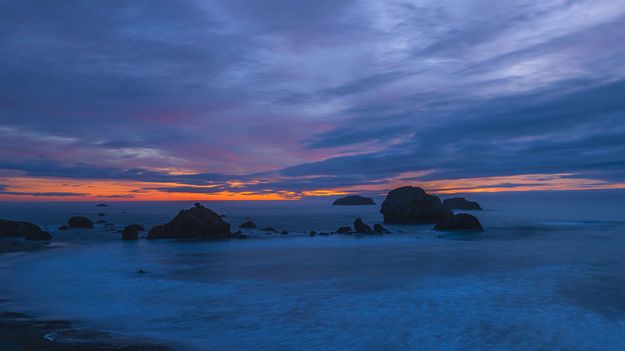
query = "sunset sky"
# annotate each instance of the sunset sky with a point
(271, 99)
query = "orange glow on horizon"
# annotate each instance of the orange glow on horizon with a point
(61, 189)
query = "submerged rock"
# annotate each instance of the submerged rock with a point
(460, 222)
(100, 222)
(101, 205)
(413, 205)
(361, 227)
(80, 222)
(270, 229)
(63, 227)
(353, 200)
(460, 203)
(27, 230)
(344, 230)
(197, 222)
(248, 224)
(101, 214)
(284, 232)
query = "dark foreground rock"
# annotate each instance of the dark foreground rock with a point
(413, 205)
(20, 332)
(460, 203)
(361, 227)
(80, 222)
(248, 225)
(460, 222)
(27, 230)
(197, 222)
(353, 200)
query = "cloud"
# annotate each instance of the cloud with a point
(305, 95)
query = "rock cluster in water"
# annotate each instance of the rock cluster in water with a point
(22, 229)
(409, 204)
(353, 200)
(131, 232)
(197, 222)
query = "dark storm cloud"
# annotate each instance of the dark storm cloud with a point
(306, 95)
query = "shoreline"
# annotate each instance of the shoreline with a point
(21, 332)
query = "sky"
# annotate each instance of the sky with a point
(272, 99)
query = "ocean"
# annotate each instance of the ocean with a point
(548, 273)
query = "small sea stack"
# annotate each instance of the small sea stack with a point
(353, 200)
(26, 230)
(462, 222)
(80, 222)
(460, 203)
(412, 205)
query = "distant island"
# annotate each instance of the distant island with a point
(353, 200)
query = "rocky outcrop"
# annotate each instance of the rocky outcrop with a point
(353, 200)
(248, 225)
(460, 203)
(460, 222)
(197, 222)
(131, 232)
(361, 227)
(344, 230)
(80, 222)
(27, 230)
(413, 205)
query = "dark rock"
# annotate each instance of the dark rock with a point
(361, 227)
(413, 205)
(353, 200)
(141, 271)
(101, 205)
(312, 233)
(63, 227)
(27, 230)
(101, 214)
(460, 203)
(344, 230)
(138, 227)
(80, 222)
(460, 222)
(196, 222)
(284, 232)
(100, 222)
(379, 229)
(248, 224)
(270, 229)
(130, 232)
(324, 233)
(241, 236)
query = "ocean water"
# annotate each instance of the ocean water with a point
(547, 274)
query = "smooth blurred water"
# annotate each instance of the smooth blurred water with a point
(548, 273)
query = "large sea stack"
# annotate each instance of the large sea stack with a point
(197, 222)
(410, 204)
(353, 200)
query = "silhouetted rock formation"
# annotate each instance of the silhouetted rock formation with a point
(460, 222)
(379, 229)
(197, 222)
(461, 203)
(353, 200)
(413, 205)
(138, 227)
(101, 205)
(130, 232)
(248, 224)
(21, 229)
(344, 230)
(80, 222)
(361, 227)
